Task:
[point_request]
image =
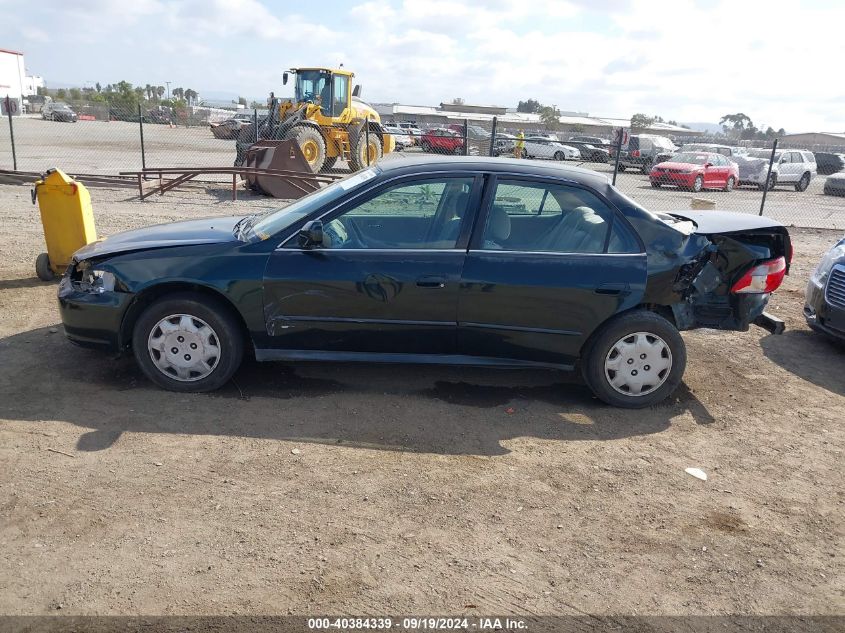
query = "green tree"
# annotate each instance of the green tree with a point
(531, 106)
(61, 93)
(75, 94)
(736, 124)
(178, 93)
(191, 96)
(160, 92)
(98, 87)
(41, 90)
(242, 101)
(550, 117)
(641, 121)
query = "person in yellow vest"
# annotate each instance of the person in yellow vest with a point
(519, 145)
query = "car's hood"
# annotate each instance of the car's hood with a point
(710, 222)
(837, 176)
(673, 165)
(205, 231)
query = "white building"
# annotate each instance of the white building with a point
(14, 81)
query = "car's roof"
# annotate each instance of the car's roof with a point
(433, 163)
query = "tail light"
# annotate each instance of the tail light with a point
(765, 277)
(635, 153)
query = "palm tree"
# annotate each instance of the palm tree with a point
(159, 91)
(191, 95)
(178, 93)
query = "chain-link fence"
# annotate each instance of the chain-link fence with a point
(796, 184)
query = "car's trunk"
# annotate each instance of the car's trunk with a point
(732, 244)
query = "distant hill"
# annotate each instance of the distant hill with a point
(707, 128)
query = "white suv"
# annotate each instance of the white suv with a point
(791, 167)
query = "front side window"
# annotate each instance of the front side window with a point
(538, 217)
(426, 214)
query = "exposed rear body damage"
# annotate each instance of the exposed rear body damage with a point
(717, 251)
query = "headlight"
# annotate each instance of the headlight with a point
(685, 171)
(823, 269)
(92, 280)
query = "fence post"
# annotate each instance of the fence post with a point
(619, 136)
(11, 132)
(141, 126)
(466, 138)
(493, 136)
(768, 176)
(367, 140)
(255, 122)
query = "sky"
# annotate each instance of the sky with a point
(687, 60)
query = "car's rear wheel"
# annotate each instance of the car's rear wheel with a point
(698, 184)
(559, 156)
(729, 185)
(646, 167)
(637, 359)
(188, 342)
(802, 184)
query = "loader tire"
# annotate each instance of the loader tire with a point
(358, 159)
(311, 144)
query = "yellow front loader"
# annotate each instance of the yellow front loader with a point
(327, 120)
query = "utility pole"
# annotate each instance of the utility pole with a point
(168, 90)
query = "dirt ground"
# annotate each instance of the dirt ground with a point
(314, 489)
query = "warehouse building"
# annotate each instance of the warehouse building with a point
(12, 77)
(824, 139)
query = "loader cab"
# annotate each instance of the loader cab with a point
(330, 89)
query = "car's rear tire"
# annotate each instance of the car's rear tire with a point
(773, 180)
(188, 342)
(646, 167)
(802, 184)
(559, 156)
(729, 184)
(698, 184)
(635, 360)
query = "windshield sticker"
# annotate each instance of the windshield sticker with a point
(357, 179)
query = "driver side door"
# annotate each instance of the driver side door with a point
(384, 280)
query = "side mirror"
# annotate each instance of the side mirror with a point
(311, 234)
(284, 79)
(708, 165)
(356, 91)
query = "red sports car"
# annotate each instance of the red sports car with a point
(442, 141)
(696, 171)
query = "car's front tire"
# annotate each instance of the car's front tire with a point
(188, 342)
(635, 360)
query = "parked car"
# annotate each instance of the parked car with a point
(824, 307)
(160, 114)
(645, 150)
(403, 140)
(542, 147)
(480, 261)
(696, 171)
(828, 163)
(834, 185)
(231, 127)
(411, 129)
(504, 144)
(58, 111)
(442, 140)
(790, 167)
(590, 152)
(730, 151)
(592, 140)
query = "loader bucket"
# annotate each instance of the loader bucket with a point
(280, 155)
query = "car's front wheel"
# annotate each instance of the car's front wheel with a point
(560, 156)
(188, 342)
(802, 184)
(637, 359)
(698, 184)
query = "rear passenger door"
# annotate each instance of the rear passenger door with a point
(548, 263)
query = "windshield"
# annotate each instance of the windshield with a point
(271, 223)
(691, 157)
(313, 84)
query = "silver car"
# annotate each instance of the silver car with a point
(542, 147)
(790, 167)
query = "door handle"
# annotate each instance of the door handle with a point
(613, 289)
(431, 282)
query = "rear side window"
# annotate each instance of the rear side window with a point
(538, 217)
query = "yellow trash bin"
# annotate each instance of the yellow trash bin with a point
(67, 218)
